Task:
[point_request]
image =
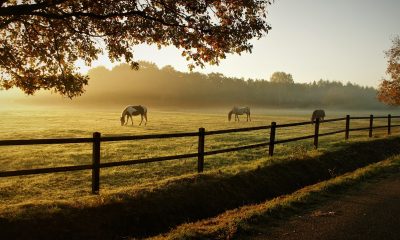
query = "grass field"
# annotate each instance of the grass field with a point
(20, 192)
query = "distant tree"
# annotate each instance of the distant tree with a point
(215, 75)
(281, 77)
(389, 89)
(41, 39)
(168, 69)
(147, 65)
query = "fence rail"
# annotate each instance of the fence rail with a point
(97, 139)
(237, 130)
(213, 152)
(45, 141)
(149, 136)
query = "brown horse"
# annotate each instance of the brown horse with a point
(317, 114)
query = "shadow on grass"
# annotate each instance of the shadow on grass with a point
(189, 199)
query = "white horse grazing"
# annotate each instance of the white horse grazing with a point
(239, 111)
(318, 114)
(130, 111)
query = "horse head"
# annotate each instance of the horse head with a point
(230, 115)
(122, 119)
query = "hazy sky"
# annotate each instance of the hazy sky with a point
(340, 40)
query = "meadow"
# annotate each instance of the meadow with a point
(23, 191)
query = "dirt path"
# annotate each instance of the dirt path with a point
(369, 213)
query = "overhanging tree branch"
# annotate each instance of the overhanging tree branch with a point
(205, 31)
(28, 9)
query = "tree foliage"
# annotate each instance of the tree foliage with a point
(41, 39)
(281, 77)
(389, 89)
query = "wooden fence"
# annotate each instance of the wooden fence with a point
(97, 139)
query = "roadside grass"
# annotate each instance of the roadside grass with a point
(242, 222)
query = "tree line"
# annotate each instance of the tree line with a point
(167, 87)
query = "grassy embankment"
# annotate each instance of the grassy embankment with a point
(58, 197)
(246, 221)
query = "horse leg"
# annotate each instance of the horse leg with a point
(141, 120)
(131, 119)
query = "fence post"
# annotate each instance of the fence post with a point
(371, 120)
(316, 133)
(347, 127)
(272, 139)
(200, 156)
(96, 163)
(389, 123)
